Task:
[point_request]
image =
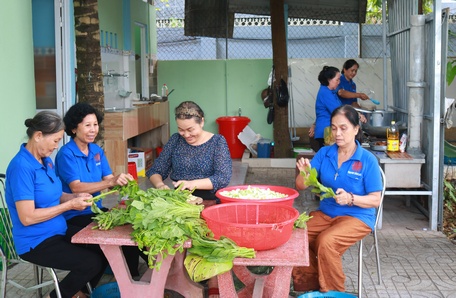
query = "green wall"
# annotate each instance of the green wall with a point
(220, 87)
(110, 16)
(17, 82)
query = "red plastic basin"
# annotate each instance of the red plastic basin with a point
(260, 226)
(291, 193)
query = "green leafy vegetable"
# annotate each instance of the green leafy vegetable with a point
(311, 179)
(301, 221)
(163, 220)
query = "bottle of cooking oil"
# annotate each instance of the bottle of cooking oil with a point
(392, 135)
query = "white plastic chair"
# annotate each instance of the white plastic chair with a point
(379, 211)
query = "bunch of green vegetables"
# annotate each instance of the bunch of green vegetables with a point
(311, 179)
(162, 221)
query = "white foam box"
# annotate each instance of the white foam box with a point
(143, 157)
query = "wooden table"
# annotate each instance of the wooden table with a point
(275, 285)
(172, 274)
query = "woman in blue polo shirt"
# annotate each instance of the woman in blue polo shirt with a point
(347, 87)
(83, 167)
(36, 204)
(354, 175)
(327, 101)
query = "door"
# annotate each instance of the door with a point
(54, 65)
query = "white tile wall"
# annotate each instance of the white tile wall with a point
(304, 84)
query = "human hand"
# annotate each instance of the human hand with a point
(362, 118)
(162, 186)
(363, 96)
(303, 164)
(82, 194)
(121, 179)
(342, 197)
(312, 131)
(81, 202)
(185, 184)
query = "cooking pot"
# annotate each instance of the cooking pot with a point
(378, 117)
(378, 122)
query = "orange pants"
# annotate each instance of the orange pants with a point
(329, 238)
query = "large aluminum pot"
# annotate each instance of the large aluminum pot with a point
(378, 117)
(378, 122)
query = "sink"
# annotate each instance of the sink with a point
(117, 110)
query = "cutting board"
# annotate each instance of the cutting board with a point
(399, 155)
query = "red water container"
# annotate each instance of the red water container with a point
(230, 127)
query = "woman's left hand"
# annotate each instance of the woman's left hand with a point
(342, 197)
(185, 184)
(362, 118)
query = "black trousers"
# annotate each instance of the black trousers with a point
(57, 252)
(131, 253)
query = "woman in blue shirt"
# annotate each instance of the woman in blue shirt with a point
(82, 166)
(347, 87)
(354, 175)
(36, 204)
(327, 101)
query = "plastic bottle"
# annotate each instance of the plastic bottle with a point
(164, 91)
(392, 135)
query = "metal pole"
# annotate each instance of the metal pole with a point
(416, 83)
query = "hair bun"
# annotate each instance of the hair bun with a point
(28, 122)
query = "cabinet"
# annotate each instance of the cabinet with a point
(144, 126)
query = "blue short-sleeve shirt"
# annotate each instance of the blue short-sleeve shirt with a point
(348, 86)
(71, 164)
(327, 101)
(359, 175)
(27, 179)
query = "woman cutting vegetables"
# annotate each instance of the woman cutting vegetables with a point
(342, 220)
(194, 159)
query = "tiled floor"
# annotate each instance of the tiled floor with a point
(415, 262)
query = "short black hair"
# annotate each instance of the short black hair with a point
(348, 64)
(76, 114)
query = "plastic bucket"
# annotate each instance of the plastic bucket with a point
(109, 290)
(230, 127)
(264, 148)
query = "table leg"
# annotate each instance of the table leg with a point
(275, 285)
(226, 285)
(130, 288)
(172, 275)
(179, 281)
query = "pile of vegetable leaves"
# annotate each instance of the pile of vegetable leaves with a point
(162, 221)
(311, 179)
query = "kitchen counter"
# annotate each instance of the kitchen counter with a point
(143, 126)
(401, 173)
